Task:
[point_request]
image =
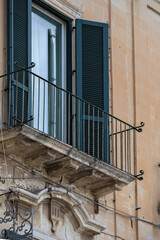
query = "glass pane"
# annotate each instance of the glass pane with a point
(40, 27)
(49, 102)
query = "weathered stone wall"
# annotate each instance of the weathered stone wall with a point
(134, 97)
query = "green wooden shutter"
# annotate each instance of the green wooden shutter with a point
(92, 81)
(22, 31)
(19, 42)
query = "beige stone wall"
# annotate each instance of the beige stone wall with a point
(135, 71)
(134, 97)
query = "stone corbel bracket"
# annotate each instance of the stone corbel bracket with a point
(68, 203)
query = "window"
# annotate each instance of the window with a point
(49, 54)
(38, 33)
(49, 46)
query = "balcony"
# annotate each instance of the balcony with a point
(60, 135)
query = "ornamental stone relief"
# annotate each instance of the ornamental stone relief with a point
(59, 214)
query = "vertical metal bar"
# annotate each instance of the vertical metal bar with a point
(16, 102)
(88, 129)
(23, 96)
(125, 147)
(32, 222)
(129, 151)
(102, 136)
(33, 100)
(98, 133)
(9, 108)
(38, 99)
(112, 140)
(134, 149)
(28, 103)
(93, 133)
(2, 116)
(79, 124)
(64, 118)
(59, 116)
(49, 107)
(54, 109)
(83, 117)
(107, 139)
(74, 131)
(69, 112)
(44, 96)
(116, 143)
(121, 143)
(7, 94)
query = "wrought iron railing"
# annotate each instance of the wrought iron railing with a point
(30, 99)
(16, 223)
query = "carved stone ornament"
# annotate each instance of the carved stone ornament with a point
(55, 215)
(62, 203)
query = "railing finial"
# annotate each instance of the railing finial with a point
(139, 176)
(139, 128)
(25, 68)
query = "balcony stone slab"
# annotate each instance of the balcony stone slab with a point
(57, 159)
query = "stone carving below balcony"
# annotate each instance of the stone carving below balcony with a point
(56, 215)
(62, 207)
(55, 159)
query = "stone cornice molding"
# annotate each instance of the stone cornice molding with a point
(69, 203)
(154, 5)
(64, 8)
(30, 199)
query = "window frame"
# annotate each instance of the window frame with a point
(62, 38)
(68, 22)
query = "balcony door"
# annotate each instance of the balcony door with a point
(48, 52)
